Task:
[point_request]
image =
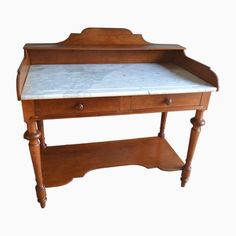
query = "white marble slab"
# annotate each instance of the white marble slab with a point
(103, 80)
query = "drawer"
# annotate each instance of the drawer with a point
(165, 101)
(77, 106)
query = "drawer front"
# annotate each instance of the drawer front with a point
(75, 107)
(166, 101)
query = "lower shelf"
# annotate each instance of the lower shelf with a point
(60, 164)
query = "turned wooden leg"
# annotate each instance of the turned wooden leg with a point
(33, 135)
(197, 122)
(42, 137)
(163, 124)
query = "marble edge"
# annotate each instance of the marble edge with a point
(117, 94)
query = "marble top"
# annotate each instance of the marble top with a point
(104, 80)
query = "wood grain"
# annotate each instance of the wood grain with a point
(161, 134)
(105, 39)
(66, 108)
(33, 135)
(22, 74)
(57, 165)
(197, 122)
(158, 101)
(202, 71)
(77, 56)
(62, 163)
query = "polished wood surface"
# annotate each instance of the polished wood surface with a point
(63, 163)
(40, 126)
(105, 38)
(82, 107)
(166, 100)
(22, 74)
(57, 165)
(197, 122)
(73, 107)
(196, 68)
(163, 124)
(33, 135)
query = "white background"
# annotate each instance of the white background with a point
(125, 200)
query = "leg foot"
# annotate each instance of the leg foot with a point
(41, 195)
(185, 175)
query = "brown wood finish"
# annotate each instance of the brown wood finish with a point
(22, 74)
(62, 163)
(161, 134)
(105, 38)
(196, 68)
(80, 107)
(96, 57)
(57, 165)
(166, 100)
(41, 130)
(33, 135)
(76, 106)
(197, 122)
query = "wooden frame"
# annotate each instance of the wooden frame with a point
(98, 45)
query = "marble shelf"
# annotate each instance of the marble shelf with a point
(105, 80)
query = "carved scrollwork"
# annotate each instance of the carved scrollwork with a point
(104, 36)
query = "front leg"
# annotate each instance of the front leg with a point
(197, 122)
(33, 135)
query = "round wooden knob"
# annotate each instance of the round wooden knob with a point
(168, 101)
(79, 107)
